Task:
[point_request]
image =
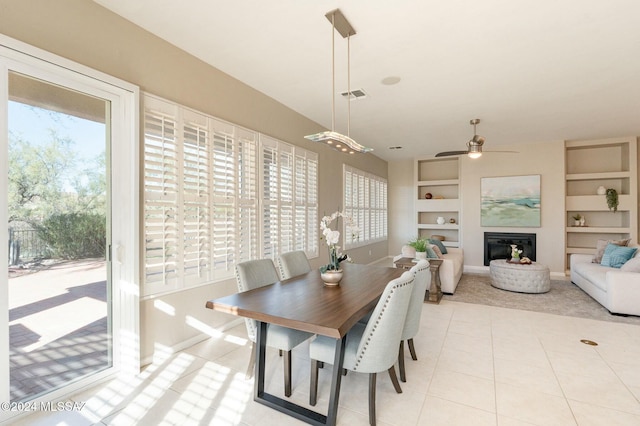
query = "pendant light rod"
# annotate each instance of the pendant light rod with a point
(332, 138)
(348, 85)
(333, 73)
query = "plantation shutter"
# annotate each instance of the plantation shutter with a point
(365, 197)
(313, 221)
(270, 188)
(301, 220)
(247, 219)
(161, 198)
(196, 194)
(286, 198)
(216, 194)
(224, 197)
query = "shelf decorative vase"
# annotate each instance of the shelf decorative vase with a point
(440, 220)
(331, 277)
(601, 190)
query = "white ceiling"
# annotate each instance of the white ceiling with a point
(532, 71)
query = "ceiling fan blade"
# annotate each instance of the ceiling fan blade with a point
(448, 153)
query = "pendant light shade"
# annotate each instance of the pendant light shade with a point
(338, 141)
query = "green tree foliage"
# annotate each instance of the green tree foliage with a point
(58, 194)
(74, 235)
(37, 175)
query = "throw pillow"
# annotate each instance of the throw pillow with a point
(431, 254)
(602, 244)
(633, 265)
(616, 256)
(438, 243)
(436, 249)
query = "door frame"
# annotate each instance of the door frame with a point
(124, 183)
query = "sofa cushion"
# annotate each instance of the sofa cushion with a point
(438, 243)
(616, 256)
(601, 245)
(633, 265)
(594, 273)
(436, 250)
(431, 254)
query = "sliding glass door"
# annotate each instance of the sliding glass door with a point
(69, 296)
(59, 221)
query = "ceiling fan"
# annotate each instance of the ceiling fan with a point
(474, 146)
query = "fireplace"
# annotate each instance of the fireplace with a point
(497, 245)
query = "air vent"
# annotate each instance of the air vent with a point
(355, 94)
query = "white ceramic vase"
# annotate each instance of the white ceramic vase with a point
(331, 278)
(440, 220)
(421, 255)
(601, 190)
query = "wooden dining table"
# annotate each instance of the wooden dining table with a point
(305, 303)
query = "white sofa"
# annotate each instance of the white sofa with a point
(450, 269)
(615, 289)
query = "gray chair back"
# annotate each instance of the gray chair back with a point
(378, 348)
(422, 279)
(293, 263)
(255, 274)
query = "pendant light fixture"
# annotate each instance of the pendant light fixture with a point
(332, 138)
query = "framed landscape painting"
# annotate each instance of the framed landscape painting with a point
(510, 201)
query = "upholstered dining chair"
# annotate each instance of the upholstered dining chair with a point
(370, 348)
(412, 321)
(254, 274)
(293, 263)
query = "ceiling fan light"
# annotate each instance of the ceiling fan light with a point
(474, 154)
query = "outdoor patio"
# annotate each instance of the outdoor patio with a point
(58, 324)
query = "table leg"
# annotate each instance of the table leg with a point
(336, 380)
(261, 349)
(283, 405)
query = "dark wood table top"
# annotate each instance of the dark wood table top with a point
(305, 303)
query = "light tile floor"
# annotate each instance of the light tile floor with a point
(477, 365)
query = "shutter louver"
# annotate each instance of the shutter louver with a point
(224, 197)
(161, 217)
(313, 222)
(270, 187)
(286, 200)
(300, 221)
(196, 229)
(248, 196)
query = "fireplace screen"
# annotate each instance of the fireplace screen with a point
(497, 245)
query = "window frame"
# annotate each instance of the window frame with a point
(365, 200)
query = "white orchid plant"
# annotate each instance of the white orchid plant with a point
(515, 252)
(332, 238)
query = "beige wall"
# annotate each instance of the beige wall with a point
(545, 159)
(401, 205)
(82, 31)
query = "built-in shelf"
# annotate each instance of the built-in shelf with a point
(436, 226)
(438, 177)
(610, 163)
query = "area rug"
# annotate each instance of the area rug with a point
(564, 298)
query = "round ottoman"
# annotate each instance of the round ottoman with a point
(533, 278)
